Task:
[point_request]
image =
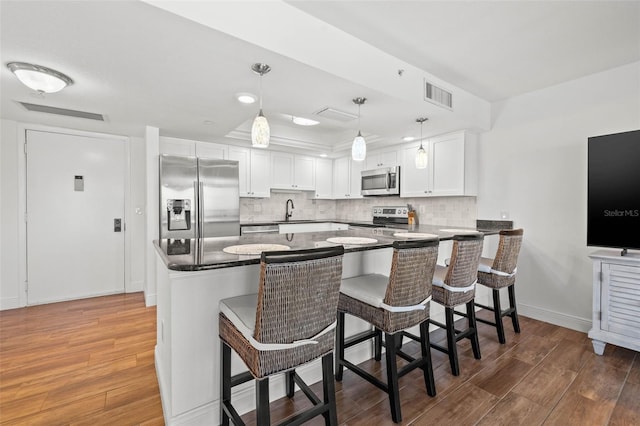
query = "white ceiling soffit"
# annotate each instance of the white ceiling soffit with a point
(271, 25)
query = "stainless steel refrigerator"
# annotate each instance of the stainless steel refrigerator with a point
(199, 198)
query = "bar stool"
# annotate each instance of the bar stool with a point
(391, 304)
(456, 285)
(291, 321)
(498, 273)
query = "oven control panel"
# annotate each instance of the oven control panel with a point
(390, 212)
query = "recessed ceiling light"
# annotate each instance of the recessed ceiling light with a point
(408, 138)
(208, 122)
(323, 155)
(301, 121)
(246, 98)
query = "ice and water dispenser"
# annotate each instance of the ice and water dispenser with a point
(178, 215)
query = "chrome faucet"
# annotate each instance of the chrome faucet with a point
(288, 214)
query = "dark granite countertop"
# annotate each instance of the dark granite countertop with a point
(207, 253)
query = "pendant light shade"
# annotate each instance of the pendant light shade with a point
(421, 155)
(359, 146)
(39, 78)
(260, 131)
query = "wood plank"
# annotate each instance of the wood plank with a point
(545, 385)
(502, 375)
(514, 409)
(627, 410)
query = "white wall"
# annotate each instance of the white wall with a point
(9, 276)
(533, 165)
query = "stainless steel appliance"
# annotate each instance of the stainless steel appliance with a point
(390, 216)
(385, 181)
(199, 198)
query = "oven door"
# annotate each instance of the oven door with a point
(380, 182)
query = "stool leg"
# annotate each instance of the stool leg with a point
(451, 342)
(290, 385)
(225, 382)
(339, 346)
(427, 368)
(512, 304)
(377, 342)
(392, 377)
(328, 388)
(262, 402)
(475, 343)
(497, 314)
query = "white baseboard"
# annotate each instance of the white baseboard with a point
(556, 318)
(150, 299)
(243, 396)
(9, 303)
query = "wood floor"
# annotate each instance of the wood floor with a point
(91, 362)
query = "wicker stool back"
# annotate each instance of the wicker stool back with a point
(409, 285)
(461, 273)
(297, 300)
(503, 274)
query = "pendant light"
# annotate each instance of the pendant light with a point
(421, 155)
(39, 78)
(359, 146)
(260, 132)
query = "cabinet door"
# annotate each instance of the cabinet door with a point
(355, 178)
(282, 166)
(174, 146)
(621, 299)
(413, 182)
(243, 157)
(324, 178)
(448, 165)
(304, 173)
(380, 159)
(212, 150)
(260, 173)
(341, 178)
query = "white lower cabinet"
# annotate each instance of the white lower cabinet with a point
(347, 178)
(253, 165)
(616, 300)
(451, 168)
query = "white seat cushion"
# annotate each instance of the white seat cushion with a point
(241, 311)
(369, 289)
(485, 265)
(439, 275)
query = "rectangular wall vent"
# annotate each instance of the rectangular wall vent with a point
(437, 95)
(334, 114)
(62, 111)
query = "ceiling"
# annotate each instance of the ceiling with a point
(178, 65)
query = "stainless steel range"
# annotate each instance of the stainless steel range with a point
(389, 216)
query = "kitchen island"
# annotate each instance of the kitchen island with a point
(194, 275)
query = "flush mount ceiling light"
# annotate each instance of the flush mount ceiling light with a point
(359, 146)
(421, 155)
(408, 138)
(245, 98)
(260, 132)
(39, 78)
(301, 121)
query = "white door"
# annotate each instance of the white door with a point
(75, 190)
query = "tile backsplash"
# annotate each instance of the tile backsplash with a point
(449, 211)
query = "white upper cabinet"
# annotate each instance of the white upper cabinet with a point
(324, 178)
(289, 171)
(379, 159)
(212, 150)
(451, 168)
(186, 147)
(347, 178)
(253, 165)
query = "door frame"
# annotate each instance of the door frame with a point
(22, 199)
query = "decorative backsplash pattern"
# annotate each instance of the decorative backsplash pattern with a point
(449, 211)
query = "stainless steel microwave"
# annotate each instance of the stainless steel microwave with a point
(385, 181)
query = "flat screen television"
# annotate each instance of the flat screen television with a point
(613, 196)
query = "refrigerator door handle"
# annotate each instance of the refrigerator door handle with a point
(200, 210)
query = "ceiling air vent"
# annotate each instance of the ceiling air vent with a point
(62, 111)
(335, 114)
(437, 95)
